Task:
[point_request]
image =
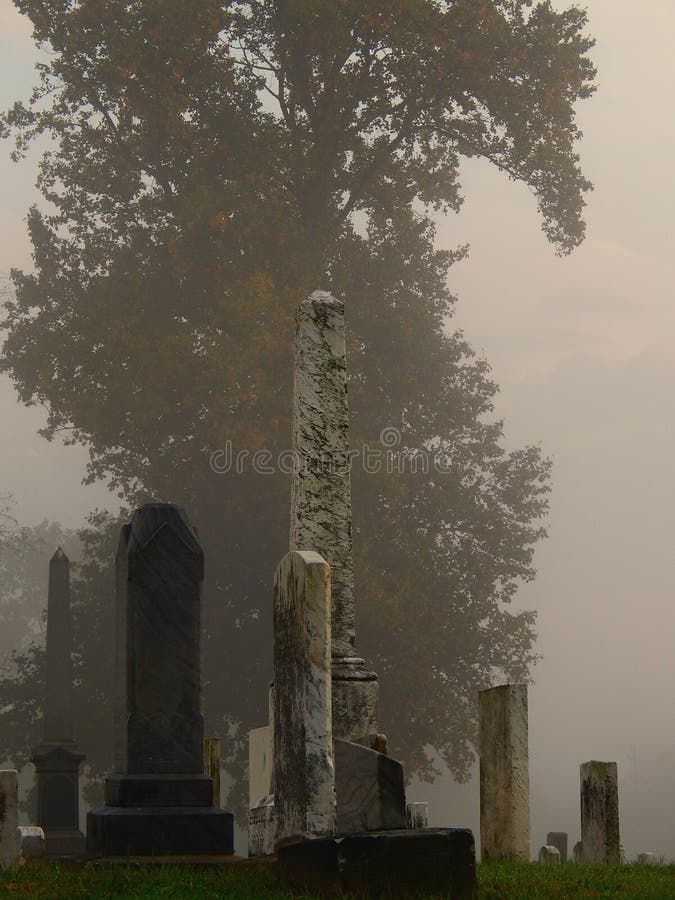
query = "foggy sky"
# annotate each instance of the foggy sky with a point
(583, 350)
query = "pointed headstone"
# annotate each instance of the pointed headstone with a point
(57, 760)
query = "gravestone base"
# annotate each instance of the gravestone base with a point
(369, 790)
(354, 701)
(160, 831)
(64, 842)
(391, 863)
(262, 828)
(158, 790)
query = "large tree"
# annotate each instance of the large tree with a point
(212, 163)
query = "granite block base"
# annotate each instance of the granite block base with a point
(61, 843)
(392, 863)
(159, 831)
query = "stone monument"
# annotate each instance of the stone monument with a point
(57, 760)
(504, 773)
(303, 738)
(9, 817)
(600, 812)
(158, 799)
(558, 839)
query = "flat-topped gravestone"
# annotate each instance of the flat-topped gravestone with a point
(57, 760)
(600, 838)
(9, 816)
(304, 796)
(504, 773)
(558, 839)
(158, 799)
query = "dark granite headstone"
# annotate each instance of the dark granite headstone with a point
(57, 760)
(158, 799)
(558, 839)
(369, 789)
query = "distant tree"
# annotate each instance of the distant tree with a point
(214, 162)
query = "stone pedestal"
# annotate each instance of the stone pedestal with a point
(158, 800)
(504, 774)
(435, 861)
(600, 812)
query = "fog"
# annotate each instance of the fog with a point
(582, 350)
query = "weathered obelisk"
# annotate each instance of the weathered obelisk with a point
(57, 760)
(321, 502)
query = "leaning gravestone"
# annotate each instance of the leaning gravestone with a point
(600, 813)
(158, 799)
(558, 839)
(549, 855)
(57, 760)
(9, 816)
(504, 773)
(303, 739)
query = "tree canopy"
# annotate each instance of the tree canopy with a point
(210, 165)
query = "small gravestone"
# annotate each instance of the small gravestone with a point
(600, 812)
(647, 858)
(212, 765)
(558, 839)
(57, 760)
(549, 855)
(577, 852)
(417, 814)
(31, 845)
(304, 797)
(158, 799)
(9, 816)
(504, 773)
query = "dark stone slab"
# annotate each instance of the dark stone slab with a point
(369, 790)
(558, 839)
(155, 831)
(394, 863)
(159, 790)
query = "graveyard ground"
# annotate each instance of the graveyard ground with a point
(248, 880)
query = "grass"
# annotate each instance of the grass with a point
(246, 881)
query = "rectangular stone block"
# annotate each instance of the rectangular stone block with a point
(504, 773)
(304, 773)
(260, 764)
(160, 831)
(9, 816)
(261, 829)
(558, 839)
(369, 790)
(30, 841)
(600, 841)
(437, 861)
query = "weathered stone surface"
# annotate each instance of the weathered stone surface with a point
(9, 816)
(260, 764)
(369, 790)
(549, 855)
(600, 812)
(159, 801)
(30, 841)
(389, 863)
(57, 760)
(321, 506)
(304, 772)
(504, 773)
(578, 852)
(262, 828)
(417, 814)
(558, 839)
(212, 765)
(647, 858)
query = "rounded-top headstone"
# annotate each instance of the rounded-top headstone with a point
(549, 855)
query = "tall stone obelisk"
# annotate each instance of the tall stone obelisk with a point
(57, 760)
(321, 503)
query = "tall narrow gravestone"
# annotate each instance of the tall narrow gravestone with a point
(57, 760)
(303, 738)
(321, 503)
(600, 841)
(158, 799)
(504, 773)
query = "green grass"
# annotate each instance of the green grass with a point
(245, 881)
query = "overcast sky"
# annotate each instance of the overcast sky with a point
(583, 350)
